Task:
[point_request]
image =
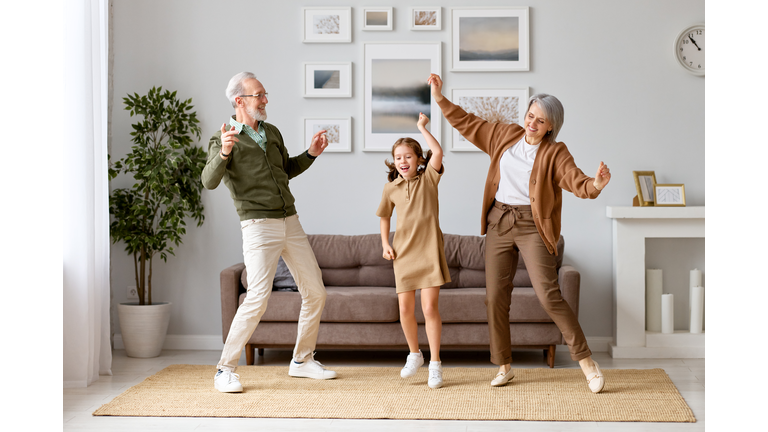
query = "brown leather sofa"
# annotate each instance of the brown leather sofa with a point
(361, 310)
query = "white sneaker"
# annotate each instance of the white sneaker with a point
(435, 375)
(227, 382)
(310, 368)
(412, 365)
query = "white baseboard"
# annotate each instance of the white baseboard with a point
(213, 342)
(183, 342)
(599, 343)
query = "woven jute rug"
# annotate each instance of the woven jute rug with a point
(379, 393)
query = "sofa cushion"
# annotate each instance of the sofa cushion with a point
(342, 304)
(467, 305)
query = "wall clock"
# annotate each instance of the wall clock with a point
(689, 49)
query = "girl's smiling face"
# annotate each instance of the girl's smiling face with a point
(406, 161)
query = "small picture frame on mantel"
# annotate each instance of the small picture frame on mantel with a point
(644, 183)
(669, 195)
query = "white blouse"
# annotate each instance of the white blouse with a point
(516, 165)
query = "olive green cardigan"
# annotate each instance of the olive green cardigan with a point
(257, 179)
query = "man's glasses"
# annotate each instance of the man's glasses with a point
(257, 95)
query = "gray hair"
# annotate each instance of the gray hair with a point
(235, 87)
(554, 111)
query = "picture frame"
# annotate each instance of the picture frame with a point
(426, 18)
(491, 39)
(339, 132)
(669, 195)
(377, 19)
(396, 90)
(328, 80)
(507, 105)
(327, 24)
(644, 183)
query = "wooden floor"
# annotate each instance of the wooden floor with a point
(687, 374)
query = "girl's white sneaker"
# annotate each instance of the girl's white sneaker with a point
(412, 364)
(435, 375)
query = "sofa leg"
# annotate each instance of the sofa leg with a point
(249, 348)
(261, 351)
(551, 356)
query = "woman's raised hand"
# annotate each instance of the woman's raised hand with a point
(603, 176)
(436, 85)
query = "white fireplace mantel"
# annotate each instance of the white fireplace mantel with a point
(631, 226)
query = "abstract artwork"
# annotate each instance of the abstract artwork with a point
(505, 106)
(338, 131)
(396, 91)
(327, 80)
(426, 18)
(490, 39)
(327, 25)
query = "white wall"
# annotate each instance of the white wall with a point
(627, 103)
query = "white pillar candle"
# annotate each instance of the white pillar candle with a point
(693, 281)
(653, 300)
(667, 313)
(697, 309)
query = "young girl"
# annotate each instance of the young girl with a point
(418, 253)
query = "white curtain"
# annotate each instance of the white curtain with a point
(86, 300)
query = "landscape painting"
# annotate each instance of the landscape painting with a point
(396, 91)
(399, 93)
(490, 39)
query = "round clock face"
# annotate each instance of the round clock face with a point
(689, 49)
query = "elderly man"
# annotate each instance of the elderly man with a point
(253, 162)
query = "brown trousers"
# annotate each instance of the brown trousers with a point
(511, 232)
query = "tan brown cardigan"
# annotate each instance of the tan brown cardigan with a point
(553, 170)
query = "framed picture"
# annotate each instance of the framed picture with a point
(338, 132)
(670, 195)
(396, 91)
(377, 19)
(327, 24)
(327, 80)
(490, 39)
(644, 182)
(504, 106)
(426, 18)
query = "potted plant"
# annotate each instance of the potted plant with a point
(150, 215)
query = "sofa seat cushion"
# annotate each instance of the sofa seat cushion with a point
(342, 304)
(467, 305)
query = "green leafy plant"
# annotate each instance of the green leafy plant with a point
(166, 166)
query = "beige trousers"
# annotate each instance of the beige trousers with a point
(511, 232)
(264, 241)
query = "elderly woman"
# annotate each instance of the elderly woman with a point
(521, 215)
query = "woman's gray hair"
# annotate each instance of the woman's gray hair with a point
(554, 111)
(235, 87)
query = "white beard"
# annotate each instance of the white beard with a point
(254, 113)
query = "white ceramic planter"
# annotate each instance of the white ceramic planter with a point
(143, 328)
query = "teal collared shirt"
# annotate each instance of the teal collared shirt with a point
(259, 135)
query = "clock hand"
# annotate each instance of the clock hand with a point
(694, 42)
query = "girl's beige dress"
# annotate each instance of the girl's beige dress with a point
(418, 243)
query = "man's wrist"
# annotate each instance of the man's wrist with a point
(310, 156)
(223, 155)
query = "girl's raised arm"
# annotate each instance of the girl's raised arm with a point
(437, 152)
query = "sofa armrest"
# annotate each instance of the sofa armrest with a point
(230, 294)
(570, 286)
